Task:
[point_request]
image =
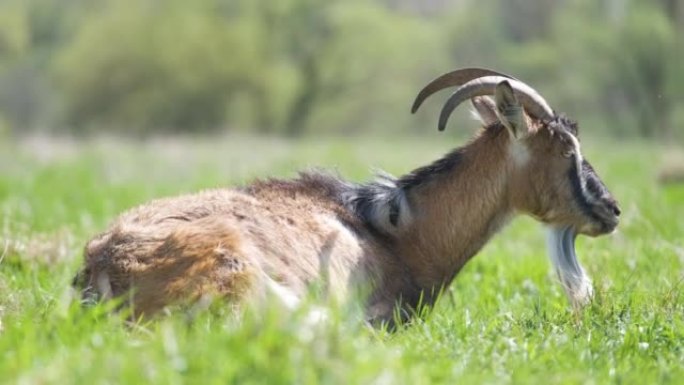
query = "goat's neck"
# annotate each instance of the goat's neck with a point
(457, 211)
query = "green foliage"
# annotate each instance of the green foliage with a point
(504, 320)
(136, 65)
(630, 60)
(14, 36)
(309, 66)
(175, 66)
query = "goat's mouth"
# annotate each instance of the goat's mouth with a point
(600, 224)
(610, 218)
(577, 285)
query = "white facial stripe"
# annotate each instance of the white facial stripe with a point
(578, 153)
(578, 158)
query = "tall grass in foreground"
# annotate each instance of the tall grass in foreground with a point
(504, 320)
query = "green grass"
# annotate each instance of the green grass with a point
(504, 320)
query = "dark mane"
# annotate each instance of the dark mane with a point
(368, 205)
(424, 174)
(562, 122)
(446, 163)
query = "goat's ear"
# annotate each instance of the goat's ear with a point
(485, 110)
(509, 110)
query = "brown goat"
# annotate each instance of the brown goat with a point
(402, 240)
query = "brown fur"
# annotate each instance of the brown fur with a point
(222, 242)
(460, 210)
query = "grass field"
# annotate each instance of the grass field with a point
(504, 320)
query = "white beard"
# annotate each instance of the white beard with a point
(577, 285)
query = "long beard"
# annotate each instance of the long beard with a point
(577, 285)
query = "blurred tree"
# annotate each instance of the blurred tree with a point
(299, 66)
(649, 39)
(14, 45)
(146, 64)
(624, 54)
(139, 65)
(330, 53)
(524, 20)
(14, 31)
(30, 32)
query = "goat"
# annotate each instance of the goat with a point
(402, 239)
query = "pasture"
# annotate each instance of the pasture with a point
(505, 319)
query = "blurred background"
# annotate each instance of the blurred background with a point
(337, 67)
(105, 104)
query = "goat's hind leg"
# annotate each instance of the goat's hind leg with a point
(199, 259)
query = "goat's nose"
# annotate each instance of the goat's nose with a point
(614, 207)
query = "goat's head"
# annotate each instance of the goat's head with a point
(549, 178)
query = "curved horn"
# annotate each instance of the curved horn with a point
(530, 99)
(451, 79)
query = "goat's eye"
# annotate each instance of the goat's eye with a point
(567, 153)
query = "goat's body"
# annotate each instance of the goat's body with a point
(242, 243)
(395, 241)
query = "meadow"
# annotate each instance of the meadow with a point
(504, 320)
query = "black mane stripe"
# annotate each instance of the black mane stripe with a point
(424, 174)
(361, 201)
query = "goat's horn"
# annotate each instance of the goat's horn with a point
(452, 79)
(530, 99)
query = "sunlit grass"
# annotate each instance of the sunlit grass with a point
(504, 320)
